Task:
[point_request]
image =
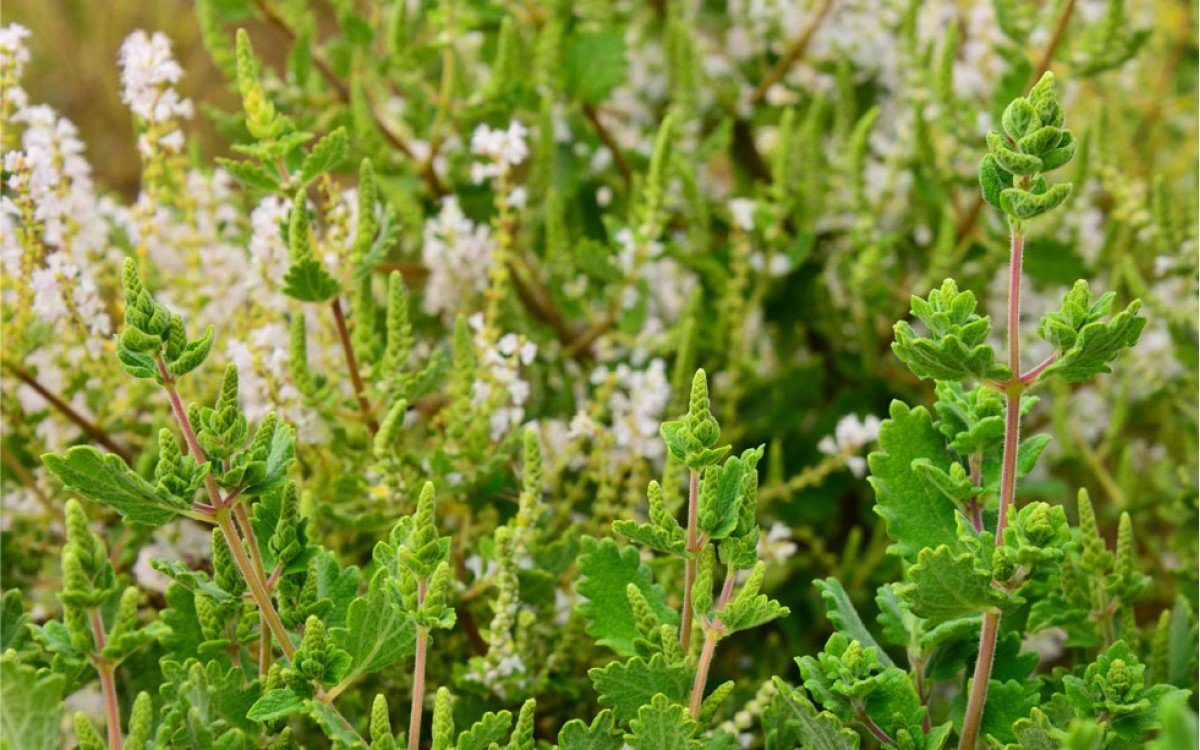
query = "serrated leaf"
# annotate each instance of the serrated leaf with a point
(943, 586)
(333, 725)
(30, 706)
(280, 456)
(1097, 344)
(251, 176)
(918, 515)
(601, 735)
(491, 727)
(107, 479)
(841, 612)
(672, 542)
(1024, 204)
(607, 570)
(627, 686)
(327, 153)
(377, 632)
(13, 621)
(1006, 703)
(663, 725)
(276, 704)
(308, 281)
(817, 730)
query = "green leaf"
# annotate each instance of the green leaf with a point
(671, 542)
(1085, 343)
(491, 727)
(607, 570)
(663, 725)
(377, 633)
(106, 479)
(601, 735)
(627, 686)
(917, 513)
(841, 612)
(594, 64)
(308, 281)
(30, 706)
(1026, 205)
(956, 347)
(252, 177)
(13, 621)
(943, 586)
(280, 456)
(333, 725)
(276, 704)
(1006, 703)
(992, 179)
(326, 154)
(718, 516)
(817, 730)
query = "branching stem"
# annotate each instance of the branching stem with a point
(712, 635)
(364, 405)
(1008, 482)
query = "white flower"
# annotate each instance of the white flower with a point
(13, 52)
(147, 76)
(850, 436)
(502, 148)
(742, 210)
(458, 253)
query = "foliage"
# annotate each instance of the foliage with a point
(508, 372)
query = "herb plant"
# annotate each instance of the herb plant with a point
(359, 435)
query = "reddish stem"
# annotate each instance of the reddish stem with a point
(108, 684)
(352, 364)
(418, 692)
(1008, 482)
(706, 655)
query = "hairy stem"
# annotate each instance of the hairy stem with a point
(108, 684)
(364, 406)
(689, 577)
(418, 691)
(257, 588)
(1008, 483)
(264, 640)
(706, 654)
(89, 428)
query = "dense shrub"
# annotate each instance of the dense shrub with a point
(663, 375)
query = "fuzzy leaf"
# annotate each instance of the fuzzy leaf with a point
(251, 176)
(601, 735)
(817, 730)
(607, 570)
(491, 727)
(333, 725)
(326, 154)
(377, 633)
(918, 515)
(943, 586)
(107, 479)
(308, 281)
(663, 725)
(276, 704)
(30, 706)
(627, 686)
(841, 612)
(1087, 344)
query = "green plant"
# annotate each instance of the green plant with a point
(382, 429)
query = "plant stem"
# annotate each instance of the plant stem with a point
(264, 640)
(689, 577)
(108, 685)
(706, 654)
(352, 364)
(1008, 482)
(418, 691)
(257, 589)
(89, 428)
